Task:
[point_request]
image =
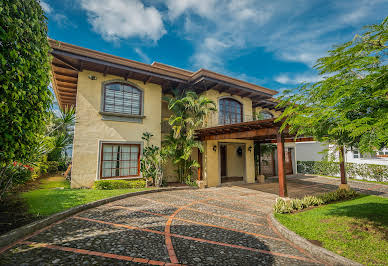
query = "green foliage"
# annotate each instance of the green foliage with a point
(292, 205)
(350, 105)
(24, 79)
(52, 167)
(151, 164)
(374, 172)
(188, 113)
(355, 229)
(119, 184)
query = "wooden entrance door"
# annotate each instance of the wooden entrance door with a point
(223, 160)
(288, 162)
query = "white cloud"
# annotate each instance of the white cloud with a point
(285, 28)
(143, 56)
(297, 79)
(46, 7)
(121, 19)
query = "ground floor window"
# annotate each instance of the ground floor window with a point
(120, 160)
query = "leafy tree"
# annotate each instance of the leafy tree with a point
(24, 78)
(151, 164)
(188, 113)
(349, 107)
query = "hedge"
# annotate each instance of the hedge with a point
(353, 170)
(119, 184)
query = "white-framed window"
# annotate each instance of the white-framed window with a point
(265, 115)
(357, 155)
(383, 153)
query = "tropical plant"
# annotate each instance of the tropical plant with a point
(151, 164)
(24, 80)
(188, 114)
(61, 131)
(349, 106)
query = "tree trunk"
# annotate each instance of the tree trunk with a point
(342, 165)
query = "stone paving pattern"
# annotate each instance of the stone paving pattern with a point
(216, 226)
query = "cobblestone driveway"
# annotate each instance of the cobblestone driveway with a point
(216, 226)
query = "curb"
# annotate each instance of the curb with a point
(319, 252)
(13, 236)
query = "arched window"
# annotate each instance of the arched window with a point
(265, 115)
(122, 98)
(230, 111)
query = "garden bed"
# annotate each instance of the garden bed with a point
(356, 229)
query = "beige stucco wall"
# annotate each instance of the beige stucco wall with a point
(211, 161)
(90, 129)
(235, 164)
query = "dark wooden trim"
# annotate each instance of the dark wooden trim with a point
(281, 164)
(119, 144)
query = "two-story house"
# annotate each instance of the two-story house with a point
(117, 100)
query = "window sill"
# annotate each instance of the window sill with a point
(121, 178)
(122, 115)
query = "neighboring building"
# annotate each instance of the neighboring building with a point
(316, 151)
(118, 99)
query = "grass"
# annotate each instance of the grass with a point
(356, 229)
(47, 199)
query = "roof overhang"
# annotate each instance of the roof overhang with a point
(265, 131)
(68, 60)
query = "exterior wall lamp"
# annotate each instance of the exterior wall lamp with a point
(92, 77)
(214, 148)
(250, 148)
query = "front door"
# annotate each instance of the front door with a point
(223, 160)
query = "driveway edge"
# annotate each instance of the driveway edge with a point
(9, 239)
(319, 252)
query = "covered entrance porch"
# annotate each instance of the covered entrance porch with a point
(214, 160)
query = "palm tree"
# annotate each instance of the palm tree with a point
(188, 113)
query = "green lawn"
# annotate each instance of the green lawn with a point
(48, 200)
(356, 229)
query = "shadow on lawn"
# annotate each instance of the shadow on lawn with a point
(370, 216)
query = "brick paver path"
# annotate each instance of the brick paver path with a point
(216, 226)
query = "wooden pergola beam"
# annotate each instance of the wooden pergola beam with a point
(241, 135)
(66, 85)
(64, 78)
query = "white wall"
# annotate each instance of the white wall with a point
(309, 151)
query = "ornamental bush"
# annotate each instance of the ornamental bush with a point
(24, 79)
(119, 184)
(353, 170)
(292, 205)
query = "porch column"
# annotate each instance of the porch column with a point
(281, 162)
(200, 165)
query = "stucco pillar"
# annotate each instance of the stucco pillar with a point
(249, 163)
(211, 168)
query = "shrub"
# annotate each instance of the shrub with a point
(309, 201)
(52, 167)
(119, 184)
(353, 170)
(292, 205)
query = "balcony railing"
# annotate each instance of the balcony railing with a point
(213, 120)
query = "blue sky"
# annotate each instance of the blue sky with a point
(270, 43)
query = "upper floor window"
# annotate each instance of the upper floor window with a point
(122, 98)
(265, 115)
(230, 111)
